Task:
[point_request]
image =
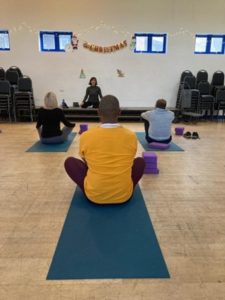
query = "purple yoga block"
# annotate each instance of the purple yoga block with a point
(150, 160)
(148, 155)
(179, 130)
(152, 171)
(156, 145)
(83, 128)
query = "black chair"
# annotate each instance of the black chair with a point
(217, 82)
(24, 99)
(202, 75)
(189, 82)
(206, 100)
(181, 85)
(220, 102)
(16, 69)
(184, 74)
(5, 98)
(12, 77)
(2, 74)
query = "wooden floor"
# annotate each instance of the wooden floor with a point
(186, 202)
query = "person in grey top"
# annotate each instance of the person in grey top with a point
(158, 123)
(93, 93)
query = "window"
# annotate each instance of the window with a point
(4, 40)
(55, 41)
(209, 44)
(150, 43)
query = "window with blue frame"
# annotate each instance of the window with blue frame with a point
(150, 43)
(209, 44)
(4, 40)
(54, 41)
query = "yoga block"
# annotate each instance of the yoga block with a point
(156, 145)
(151, 171)
(83, 128)
(149, 155)
(179, 130)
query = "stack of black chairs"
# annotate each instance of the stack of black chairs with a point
(16, 94)
(197, 97)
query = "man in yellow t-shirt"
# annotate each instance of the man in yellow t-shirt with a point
(109, 170)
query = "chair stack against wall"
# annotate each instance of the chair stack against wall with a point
(16, 94)
(197, 97)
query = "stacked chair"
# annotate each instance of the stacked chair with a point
(217, 82)
(23, 99)
(220, 102)
(16, 94)
(197, 97)
(2, 74)
(206, 100)
(5, 99)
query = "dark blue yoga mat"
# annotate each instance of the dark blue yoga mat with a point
(63, 147)
(142, 140)
(114, 241)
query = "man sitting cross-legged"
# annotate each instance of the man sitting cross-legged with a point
(109, 170)
(158, 123)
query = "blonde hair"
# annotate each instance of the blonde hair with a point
(50, 100)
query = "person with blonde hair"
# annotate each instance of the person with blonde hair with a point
(48, 122)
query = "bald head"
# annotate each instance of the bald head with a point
(109, 109)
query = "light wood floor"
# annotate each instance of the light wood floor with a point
(186, 202)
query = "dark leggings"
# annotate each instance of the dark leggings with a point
(77, 170)
(149, 139)
(88, 103)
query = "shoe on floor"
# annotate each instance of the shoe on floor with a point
(187, 135)
(195, 135)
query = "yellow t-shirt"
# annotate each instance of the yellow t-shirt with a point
(109, 154)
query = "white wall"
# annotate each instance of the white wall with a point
(147, 77)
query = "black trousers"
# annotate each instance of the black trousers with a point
(89, 103)
(149, 139)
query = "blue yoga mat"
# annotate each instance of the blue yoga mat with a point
(142, 140)
(113, 241)
(39, 147)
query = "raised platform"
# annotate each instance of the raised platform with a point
(127, 113)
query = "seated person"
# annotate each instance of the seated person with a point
(109, 170)
(158, 123)
(93, 93)
(48, 122)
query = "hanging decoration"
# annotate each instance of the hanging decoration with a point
(82, 74)
(120, 73)
(133, 43)
(73, 45)
(108, 49)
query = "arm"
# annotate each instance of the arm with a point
(100, 93)
(39, 119)
(65, 121)
(86, 95)
(146, 115)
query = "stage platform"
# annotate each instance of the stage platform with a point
(127, 113)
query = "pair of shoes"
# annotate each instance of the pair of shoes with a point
(193, 136)
(187, 135)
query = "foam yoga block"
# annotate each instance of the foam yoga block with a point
(83, 128)
(179, 130)
(156, 145)
(150, 163)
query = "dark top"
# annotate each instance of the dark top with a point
(92, 94)
(50, 120)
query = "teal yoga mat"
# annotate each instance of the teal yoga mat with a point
(113, 241)
(39, 147)
(142, 140)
